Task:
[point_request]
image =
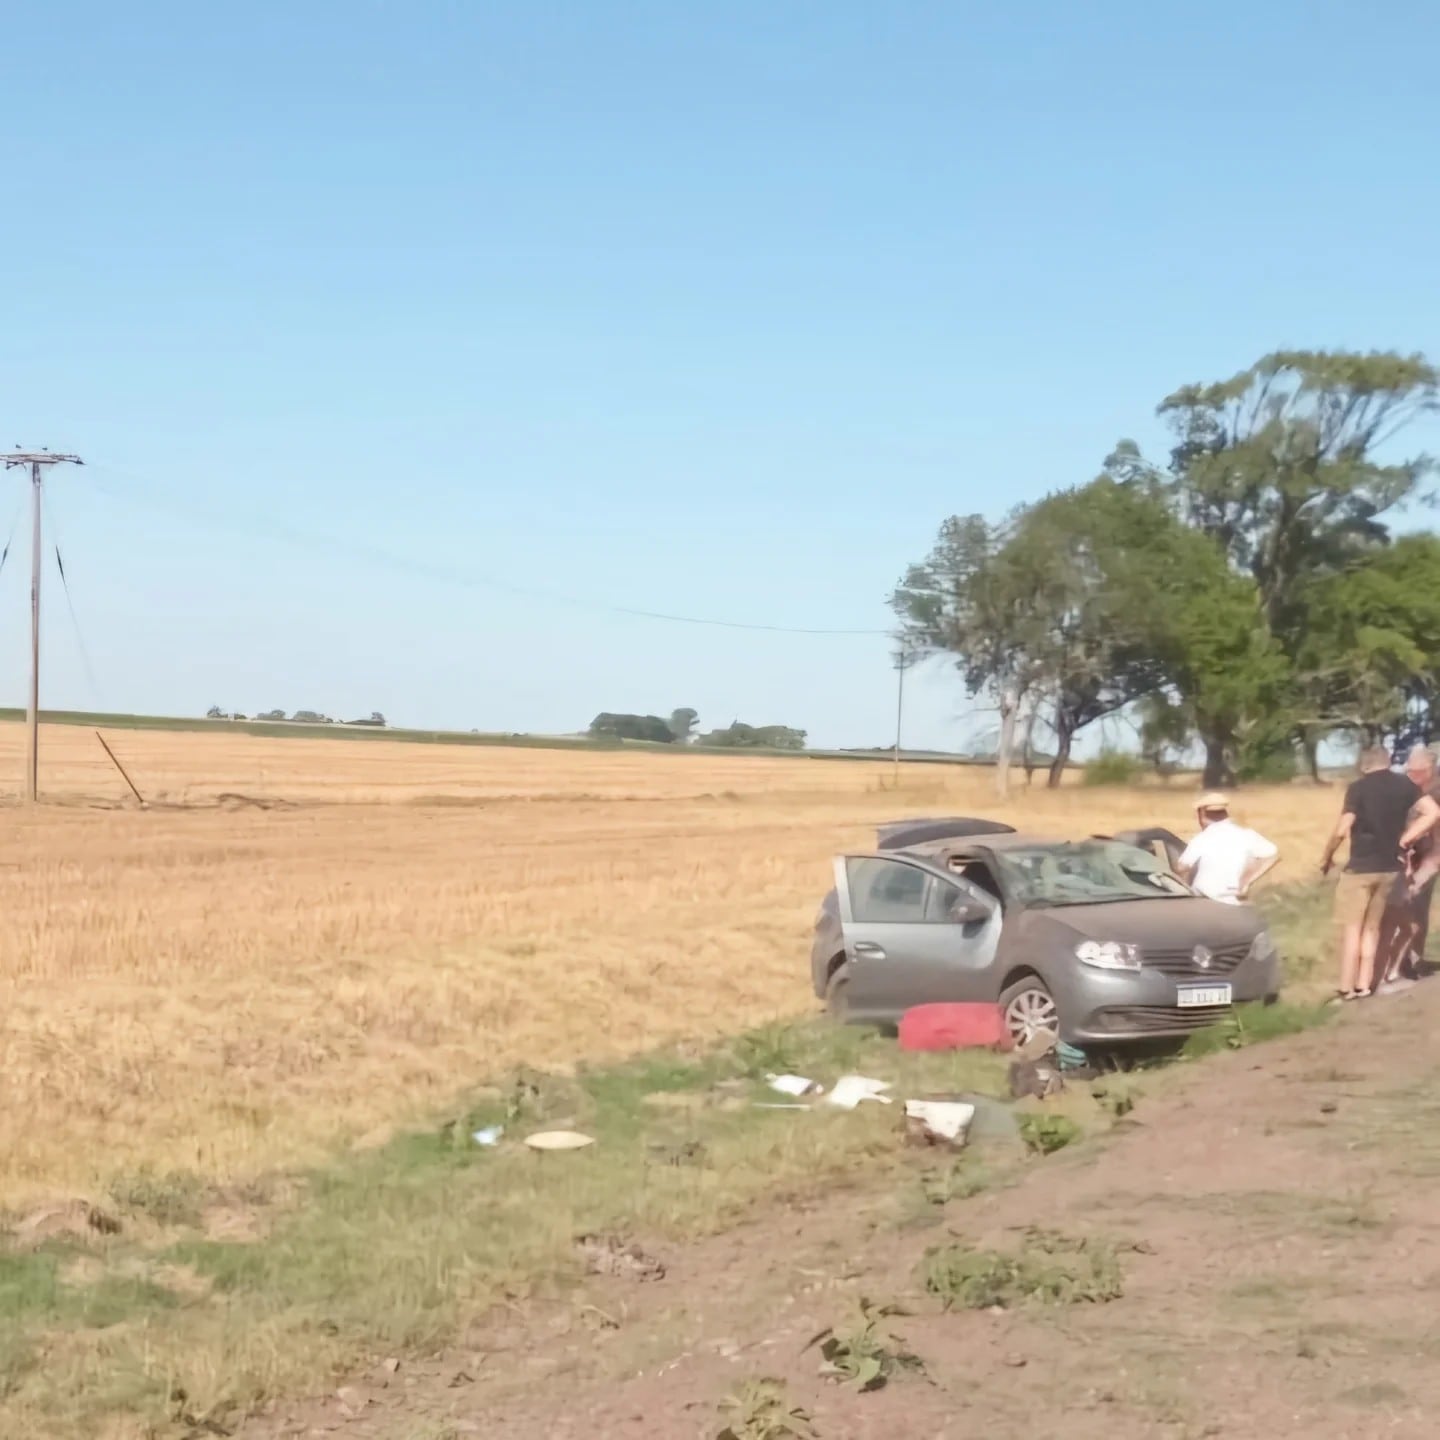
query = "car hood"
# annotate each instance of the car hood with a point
(1171, 924)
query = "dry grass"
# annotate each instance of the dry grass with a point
(219, 988)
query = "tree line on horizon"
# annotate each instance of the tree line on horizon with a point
(1245, 593)
(682, 728)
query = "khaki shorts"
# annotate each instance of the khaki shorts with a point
(1361, 899)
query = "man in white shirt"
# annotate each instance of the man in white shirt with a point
(1225, 860)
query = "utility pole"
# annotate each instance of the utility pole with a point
(38, 461)
(902, 660)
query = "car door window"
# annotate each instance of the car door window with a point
(886, 891)
(944, 902)
(979, 874)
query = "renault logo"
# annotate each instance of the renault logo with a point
(1202, 957)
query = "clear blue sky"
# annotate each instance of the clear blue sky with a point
(712, 309)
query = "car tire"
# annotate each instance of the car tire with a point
(837, 994)
(1026, 1006)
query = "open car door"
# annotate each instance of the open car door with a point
(913, 935)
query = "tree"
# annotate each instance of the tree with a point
(1277, 464)
(1092, 647)
(682, 725)
(1369, 659)
(739, 736)
(608, 726)
(1063, 610)
(966, 599)
(214, 713)
(1278, 467)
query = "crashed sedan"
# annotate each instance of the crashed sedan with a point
(1094, 940)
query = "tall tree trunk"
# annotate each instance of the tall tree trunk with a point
(1063, 737)
(1005, 747)
(1310, 744)
(1219, 772)
(1029, 747)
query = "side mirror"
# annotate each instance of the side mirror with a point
(969, 912)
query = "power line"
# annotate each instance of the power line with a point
(478, 579)
(10, 539)
(93, 683)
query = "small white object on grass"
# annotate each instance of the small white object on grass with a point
(559, 1140)
(795, 1085)
(489, 1136)
(850, 1090)
(945, 1119)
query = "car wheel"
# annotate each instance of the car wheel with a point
(837, 994)
(1029, 1008)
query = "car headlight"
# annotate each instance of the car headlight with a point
(1108, 955)
(1262, 948)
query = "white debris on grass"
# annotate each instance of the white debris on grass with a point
(947, 1120)
(851, 1090)
(559, 1140)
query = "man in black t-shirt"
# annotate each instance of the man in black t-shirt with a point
(1376, 819)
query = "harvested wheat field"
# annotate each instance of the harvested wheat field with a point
(360, 931)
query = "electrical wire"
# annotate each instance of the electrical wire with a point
(469, 578)
(14, 526)
(90, 677)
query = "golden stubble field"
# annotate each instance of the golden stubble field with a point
(217, 987)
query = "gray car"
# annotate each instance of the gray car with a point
(1095, 940)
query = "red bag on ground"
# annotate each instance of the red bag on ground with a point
(954, 1027)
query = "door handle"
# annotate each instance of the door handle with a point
(865, 949)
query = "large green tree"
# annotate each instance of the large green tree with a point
(1281, 467)
(1084, 603)
(971, 599)
(1279, 464)
(1244, 589)
(1370, 653)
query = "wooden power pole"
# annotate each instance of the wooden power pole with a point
(38, 461)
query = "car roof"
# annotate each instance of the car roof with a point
(916, 832)
(1018, 840)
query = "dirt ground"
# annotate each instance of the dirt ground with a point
(1274, 1211)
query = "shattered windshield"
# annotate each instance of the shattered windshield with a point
(1087, 873)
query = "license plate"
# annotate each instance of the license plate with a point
(1193, 995)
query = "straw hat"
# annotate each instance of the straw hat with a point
(1213, 801)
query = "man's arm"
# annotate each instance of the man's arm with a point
(1338, 836)
(1258, 869)
(1423, 816)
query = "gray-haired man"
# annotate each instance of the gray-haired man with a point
(1407, 919)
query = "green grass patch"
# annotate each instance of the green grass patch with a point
(1300, 918)
(1047, 1269)
(1113, 767)
(396, 1248)
(1044, 1132)
(762, 1410)
(1252, 1024)
(864, 1350)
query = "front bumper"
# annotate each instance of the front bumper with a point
(1110, 1007)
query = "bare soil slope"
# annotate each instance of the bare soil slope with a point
(1272, 1210)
